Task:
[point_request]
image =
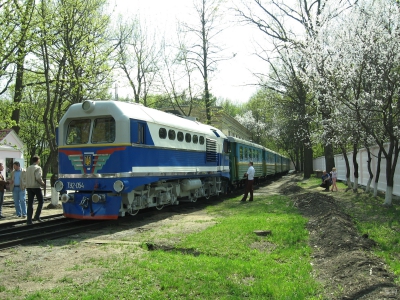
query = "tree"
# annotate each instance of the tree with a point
(290, 27)
(178, 80)
(137, 57)
(256, 127)
(201, 51)
(73, 52)
(10, 34)
(25, 14)
(362, 74)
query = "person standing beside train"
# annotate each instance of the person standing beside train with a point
(17, 187)
(2, 190)
(34, 182)
(249, 184)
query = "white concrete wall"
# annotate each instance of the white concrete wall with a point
(363, 176)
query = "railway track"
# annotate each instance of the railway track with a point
(17, 233)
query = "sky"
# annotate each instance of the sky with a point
(233, 79)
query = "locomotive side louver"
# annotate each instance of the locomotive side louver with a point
(211, 150)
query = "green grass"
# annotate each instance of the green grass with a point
(225, 261)
(382, 224)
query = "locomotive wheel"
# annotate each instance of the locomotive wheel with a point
(160, 207)
(134, 212)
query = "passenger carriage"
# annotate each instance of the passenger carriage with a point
(242, 152)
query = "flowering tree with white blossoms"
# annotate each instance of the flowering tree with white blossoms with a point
(256, 127)
(287, 26)
(362, 75)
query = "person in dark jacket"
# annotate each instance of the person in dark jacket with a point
(326, 181)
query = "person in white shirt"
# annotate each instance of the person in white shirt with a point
(249, 184)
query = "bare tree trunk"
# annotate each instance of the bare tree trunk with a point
(371, 175)
(391, 163)
(346, 160)
(308, 162)
(355, 166)
(329, 157)
(18, 88)
(302, 154)
(21, 54)
(378, 172)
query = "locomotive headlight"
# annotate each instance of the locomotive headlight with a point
(88, 106)
(66, 198)
(96, 198)
(118, 186)
(59, 186)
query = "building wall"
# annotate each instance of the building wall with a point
(362, 158)
(11, 149)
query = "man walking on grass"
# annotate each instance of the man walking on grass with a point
(249, 184)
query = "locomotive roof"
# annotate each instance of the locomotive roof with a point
(121, 110)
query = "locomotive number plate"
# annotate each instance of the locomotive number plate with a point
(75, 185)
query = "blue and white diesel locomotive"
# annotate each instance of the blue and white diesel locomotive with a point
(117, 158)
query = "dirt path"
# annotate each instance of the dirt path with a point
(342, 259)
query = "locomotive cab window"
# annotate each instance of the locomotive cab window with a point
(78, 132)
(162, 133)
(103, 130)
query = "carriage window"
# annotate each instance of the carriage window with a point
(180, 136)
(78, 132)
(171, 134)
(241, 153)
(162, 133)
(251, 154)
(246, 153)
(195, 139)
(201, 139)
(188, 137)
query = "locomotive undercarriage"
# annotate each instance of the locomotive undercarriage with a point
(164, 193)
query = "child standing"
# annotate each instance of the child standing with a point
(334, 178)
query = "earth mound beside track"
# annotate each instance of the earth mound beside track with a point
(342, 257)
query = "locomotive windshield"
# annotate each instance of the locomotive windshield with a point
(79, 131)
(103, 130)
